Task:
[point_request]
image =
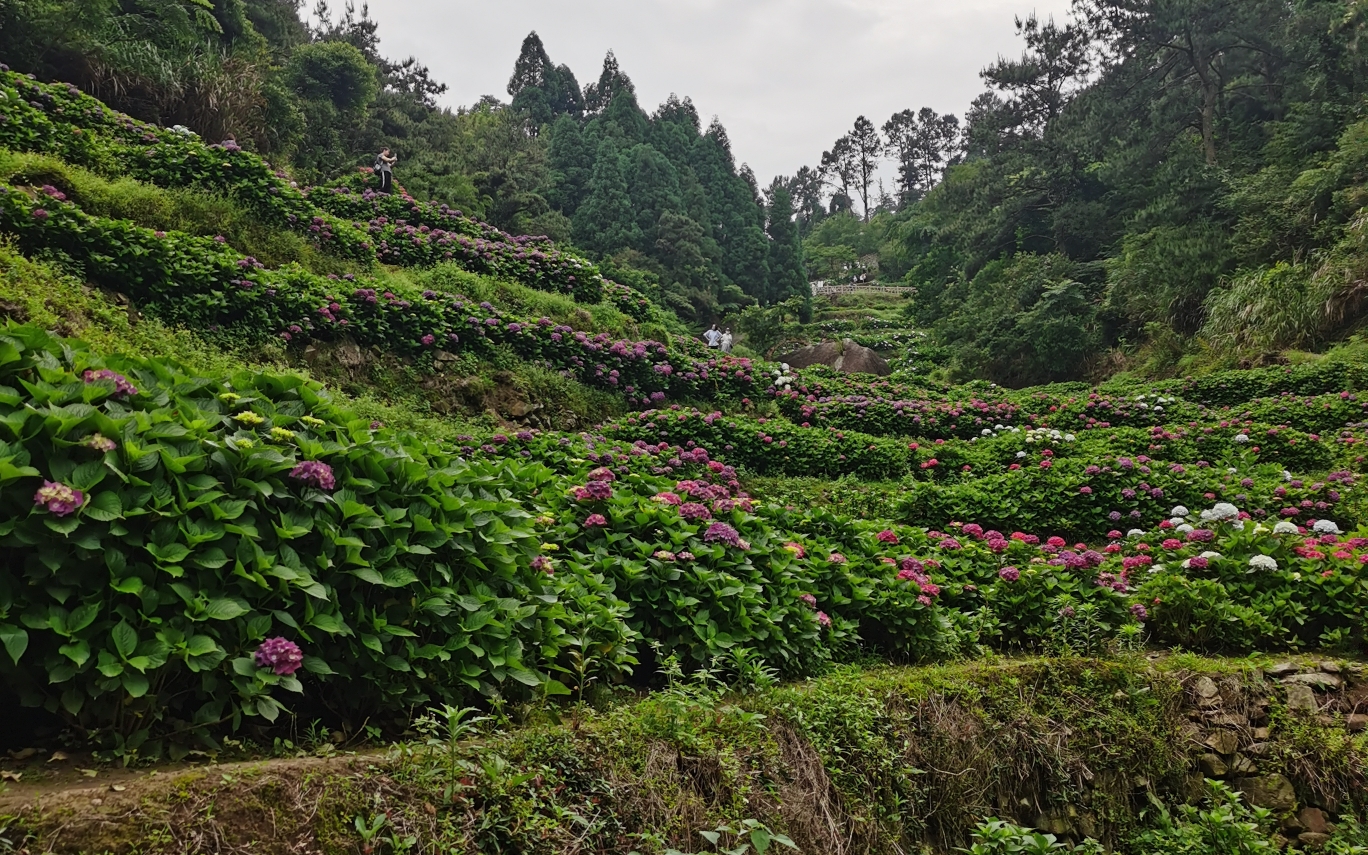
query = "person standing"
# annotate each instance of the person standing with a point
(727, 341)
(384, 165)
(713, 337)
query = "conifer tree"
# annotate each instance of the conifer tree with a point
(604, 223)
(786, 275)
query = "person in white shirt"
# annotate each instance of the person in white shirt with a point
(727, 341)
(713, 337)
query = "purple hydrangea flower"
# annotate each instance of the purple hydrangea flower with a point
(122, 388)
(58, 499)
(280, 655)
(1009, 574)
(314, 473)
(722, 533)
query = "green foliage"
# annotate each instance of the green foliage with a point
(1225, 825)
(201, 544)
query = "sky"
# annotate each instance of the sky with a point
(786, 77)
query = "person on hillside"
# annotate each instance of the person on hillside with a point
(713, 337)
(384, 167)
(727, 341)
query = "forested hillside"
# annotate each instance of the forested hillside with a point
(1183, 173)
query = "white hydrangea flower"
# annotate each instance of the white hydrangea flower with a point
(1136, 532)
(1220, 512)
(1242, 438)
(1287, 476)
(1238, 525)
(1210, 556)
(1284, 527)
(1326, 527)
(1179, 511)
(985, 432)
(1068, 437)
(1020, 454)
(1158, 409)
(1155, 568)
(1232, 471)
(1184, 528)
(1263, 562)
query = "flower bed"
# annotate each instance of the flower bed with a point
(61, 120)
(203, 283)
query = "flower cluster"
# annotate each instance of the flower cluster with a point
(314, 473)
(280, 655)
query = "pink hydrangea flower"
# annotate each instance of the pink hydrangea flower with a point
(280, 655)
(58, 499)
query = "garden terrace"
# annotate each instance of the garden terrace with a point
(60, 120)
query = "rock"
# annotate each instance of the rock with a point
(1357, 723)
(1313, 820)
(845, 356)
(1282, 669)
(349, 354)
(1243, 766)
(1302, 699)
(442, 357)
(1212, 766)
(1330, 667)
(1258, 749)
(522, 409)
(1204, 687)
(1223, 742)
(1268, 791)
(1229, 720)
(1262, 732)
(1317, 680)
(1311, 838)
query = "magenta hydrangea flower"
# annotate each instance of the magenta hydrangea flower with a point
(280, 655)
(810, 600)
(694, 511)
(722, 533)
(1140, 612)
(887, 536)
(314, 473)
(595, 520)
(1009, 574)
(836, 558)
(58, 499)
(544, 564)
(122, 388)
(823, 619)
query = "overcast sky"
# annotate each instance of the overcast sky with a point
(786, 77)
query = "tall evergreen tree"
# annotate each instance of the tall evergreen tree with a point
(786, 274)
(604, 223)
(597, 96)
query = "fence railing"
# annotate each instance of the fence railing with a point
(838, 290)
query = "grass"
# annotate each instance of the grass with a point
(876, 760)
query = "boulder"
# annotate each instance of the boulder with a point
(1313, 820)
(845, 356)
(1223, 742)
(1212, 766)
(1318, 680)
(1268, 791)
(1282, 669)
(1302, 699)
(1204, 687)
(1357, 723)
